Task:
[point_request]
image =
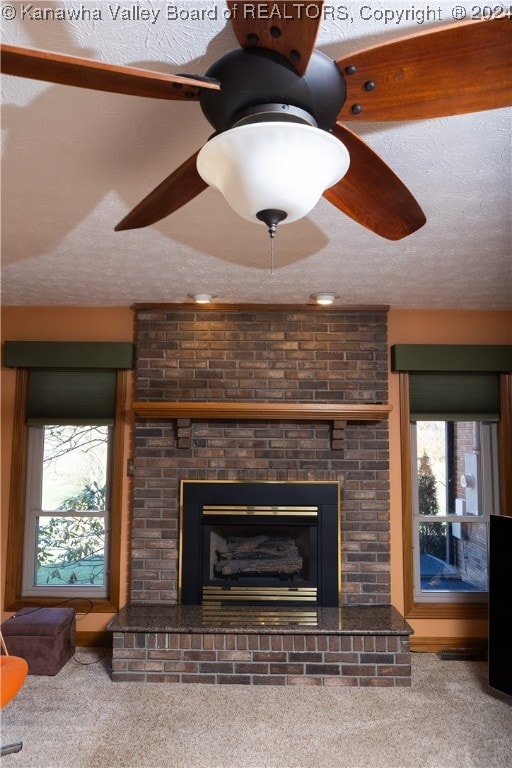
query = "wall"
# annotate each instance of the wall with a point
(116, 324)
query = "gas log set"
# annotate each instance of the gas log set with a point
(265, 554)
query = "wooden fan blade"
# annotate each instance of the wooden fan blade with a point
(179, 188)
(372, 194)
(283, 27)
(85, 73)
(449, 70)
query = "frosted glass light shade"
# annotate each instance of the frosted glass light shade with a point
(276, 165)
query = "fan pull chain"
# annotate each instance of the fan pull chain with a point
(271, 217)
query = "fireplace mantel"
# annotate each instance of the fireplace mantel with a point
(261, 411)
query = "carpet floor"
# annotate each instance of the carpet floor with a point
(79, 718)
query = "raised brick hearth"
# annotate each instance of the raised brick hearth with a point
(306, 357)
(356, 646)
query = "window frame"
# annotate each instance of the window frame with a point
(488, 435)
(14, 599)
(34, 510)
(461, 608)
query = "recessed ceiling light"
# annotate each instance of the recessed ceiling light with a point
(202, 298)
(323, 298)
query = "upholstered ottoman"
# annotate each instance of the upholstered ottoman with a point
(45, 637)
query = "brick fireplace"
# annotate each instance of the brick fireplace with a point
(261, 395)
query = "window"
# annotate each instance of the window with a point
(454, 491)
(456, 456)
(64, 534)
(67, 510)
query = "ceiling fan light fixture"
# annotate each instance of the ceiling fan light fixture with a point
(280, 166)
(323, 298)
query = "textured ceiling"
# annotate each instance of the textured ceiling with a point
(74, 162)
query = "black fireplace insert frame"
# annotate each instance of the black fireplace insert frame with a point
(325, 496)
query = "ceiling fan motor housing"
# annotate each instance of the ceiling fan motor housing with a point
(254, 77)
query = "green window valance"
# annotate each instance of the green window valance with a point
(70, 382)
(453, 382)
(455, 358)
(69, 354)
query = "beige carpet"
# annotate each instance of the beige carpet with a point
(449, 718)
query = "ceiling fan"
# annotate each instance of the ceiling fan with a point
(277, 92)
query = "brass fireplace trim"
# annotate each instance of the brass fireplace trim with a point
(276, 511)
(223, 594)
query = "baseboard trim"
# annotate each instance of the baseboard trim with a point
(437, 644)
(94, 639)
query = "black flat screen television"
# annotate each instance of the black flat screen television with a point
(500, 603)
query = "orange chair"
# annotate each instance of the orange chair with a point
(13, 671)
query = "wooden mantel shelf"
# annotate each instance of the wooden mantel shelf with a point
(257, 411)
